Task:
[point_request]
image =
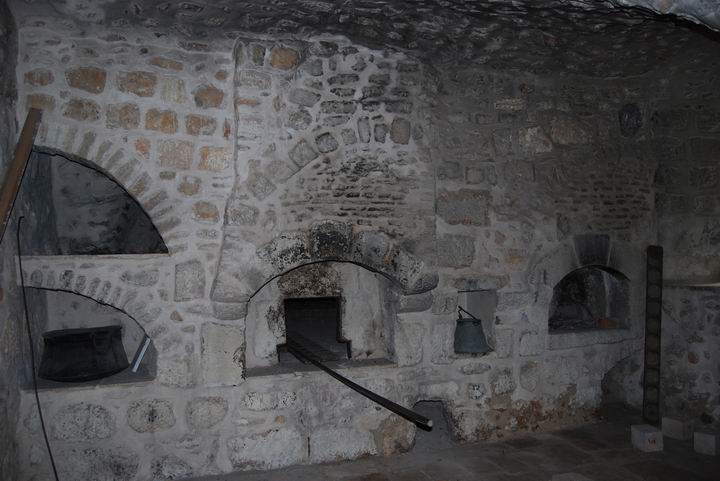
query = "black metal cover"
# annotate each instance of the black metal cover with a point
(76, 355)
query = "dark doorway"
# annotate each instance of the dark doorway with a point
(315, 324)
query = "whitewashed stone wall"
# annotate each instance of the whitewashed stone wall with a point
(258, 157)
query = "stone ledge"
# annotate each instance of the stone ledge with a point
(566, 340)
(85, 258)
(126, 377)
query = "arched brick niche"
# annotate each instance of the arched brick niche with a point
(94, 214)
(612, 267)
(85, 147)
(244, 268)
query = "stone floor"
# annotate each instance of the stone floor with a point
(597, 452)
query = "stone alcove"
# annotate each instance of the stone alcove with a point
(93, 212)
(68, 310)
(365, 314)
(601, 271)
(590, 297)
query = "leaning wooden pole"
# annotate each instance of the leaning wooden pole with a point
(14, 174)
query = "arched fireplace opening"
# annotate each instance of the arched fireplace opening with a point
(589, 298)
(343, 312)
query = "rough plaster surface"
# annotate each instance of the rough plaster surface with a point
(686, 126)
(96, 216)
(455, 176)
(39, 223)
(455, 31)
(691, 368)
(689, 359)
(10, 337)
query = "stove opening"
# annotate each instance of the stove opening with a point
(592, 297)
(315, 324)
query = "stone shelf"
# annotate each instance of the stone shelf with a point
(570, 339)
(124, 377)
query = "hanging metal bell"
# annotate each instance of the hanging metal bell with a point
(469, 335)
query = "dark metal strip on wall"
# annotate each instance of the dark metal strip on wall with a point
(653, 325)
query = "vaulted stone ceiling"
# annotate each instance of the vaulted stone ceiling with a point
(598, 38)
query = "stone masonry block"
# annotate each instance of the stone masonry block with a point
(215, 159)
(189, 281)
(141, 84)
(161, 120)
(222, 352)
(175, 153)
(674, 428)
(284, 58)
(89, 79)
(150, 415)
(466, 207)
(123, 116)
(646, 438)
(39, 77)
(82, 110)
(207, 96)
(707, 442)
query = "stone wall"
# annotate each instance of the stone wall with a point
(38, 224)
(690, 363)
(331, 162)
(527, 166)
(686, 127)
(10, 332)
(257, 157)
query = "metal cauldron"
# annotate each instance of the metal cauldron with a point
(77, 355)
(469, 335)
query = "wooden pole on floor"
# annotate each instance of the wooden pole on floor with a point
(14, 174)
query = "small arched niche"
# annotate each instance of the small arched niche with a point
(93, 214)
(67, 310)
(590, 298)
(339, 306)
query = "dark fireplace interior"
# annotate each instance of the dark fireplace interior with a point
(315, 323)
(592, 297)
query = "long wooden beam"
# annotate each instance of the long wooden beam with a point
(298, 350)
(16, 170)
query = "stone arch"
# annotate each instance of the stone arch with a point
(83, 146)
(587, 250)
(326, 241)
(133, 302)
(360, 298)
(599, 251)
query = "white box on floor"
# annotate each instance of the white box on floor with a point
(677, 428)
(646, 438)
(707, 442)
